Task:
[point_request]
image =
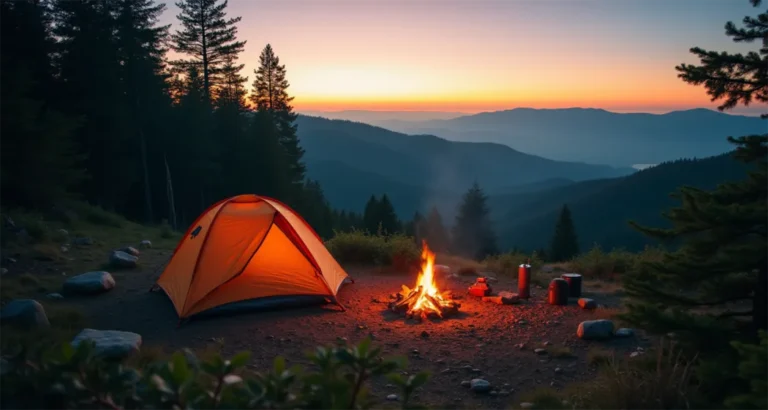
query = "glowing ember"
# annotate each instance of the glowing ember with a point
(425, 300)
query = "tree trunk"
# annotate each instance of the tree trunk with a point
(760, 301)
(169, 192)
(147, 189)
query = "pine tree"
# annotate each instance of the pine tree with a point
(565, 243)
(722, 258)
(435, 232)
(141, 53)
(38, 164)
(237, 148)
(371, 216)
(194, 162)
(270, 96)
(88, 64)
(473, 233)
(387, 218)
(209, 39)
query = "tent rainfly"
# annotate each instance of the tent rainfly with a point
(249, 248)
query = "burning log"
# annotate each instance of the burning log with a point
(425, 300)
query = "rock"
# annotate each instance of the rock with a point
(522, 322)
(540, 351)
(25, 313)
(587, 303)
(448, 371)
(54, 296)
(504, 393)
(526, 405)
(3, 271)
(130, 250)
(415, 352)
(466, 383)
(64, 249)
(424, 334)
(63, 232)
(509, 298)
(110, 344)
(480, 386)
(521, 346)
(84, 241)
(120, 259)
(546, 343)
(493, 393)
(635, 354)
(558, 370)
(89, 283)
(145, 244)
(492, 299)
(10, 260)
(595, 329)
(625, 332)
(476, 371)
(392, 397)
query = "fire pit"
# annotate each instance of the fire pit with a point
(425, 300)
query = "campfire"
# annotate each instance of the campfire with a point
(425, 300)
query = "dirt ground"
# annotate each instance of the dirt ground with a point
(481, 342)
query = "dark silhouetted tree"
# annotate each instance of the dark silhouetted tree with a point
(473, 235)
(565, 243)
(141, 53)
(371, 215)
(209, 40)
(39, 165)
(270, 95)
(722, 257)
(387, 217)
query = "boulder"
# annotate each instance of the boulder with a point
(587, 303)
(595, 329)
(54, 296)
(145, 244)
(624, 332)
(509, 298)
(130, 250)
(110, 344)
(89, 283)
(25, 313)
(120, 259)
(480, 386)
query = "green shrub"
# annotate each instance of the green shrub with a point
(67, 377)
(166, 231)
(596, 264)
(508, 263)
(358, 247)
(97, 215)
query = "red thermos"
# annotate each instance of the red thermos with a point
(524, 281)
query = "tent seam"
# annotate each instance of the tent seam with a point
(200, 253)
(248, 261)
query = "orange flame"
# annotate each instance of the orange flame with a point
(427, 286)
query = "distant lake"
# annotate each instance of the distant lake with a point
(643, 166)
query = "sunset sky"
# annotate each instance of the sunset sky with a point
(475, 55)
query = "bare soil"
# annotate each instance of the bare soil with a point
(481, 342)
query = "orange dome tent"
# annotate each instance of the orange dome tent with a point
(244, 248)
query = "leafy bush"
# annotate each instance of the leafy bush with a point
(508, 263)
(67, 377)
(97, 215)
(358, 247)
(166, 231)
